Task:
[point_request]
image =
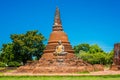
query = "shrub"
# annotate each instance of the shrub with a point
(14, 64)
(96, 58)
(2, 64)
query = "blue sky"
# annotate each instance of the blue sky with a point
(84, 21)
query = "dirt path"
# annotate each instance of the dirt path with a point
(105, 72)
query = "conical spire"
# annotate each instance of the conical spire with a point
(57, 21)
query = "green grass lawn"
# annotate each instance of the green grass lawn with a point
(115, 77)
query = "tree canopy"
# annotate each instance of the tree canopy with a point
(85, 47)
(23, 47)
(7, 53)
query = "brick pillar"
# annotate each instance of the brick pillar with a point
(116, 58)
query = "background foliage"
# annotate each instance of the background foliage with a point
(93, 54)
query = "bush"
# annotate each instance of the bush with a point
(96, 58)
(14, 64)
(2, 64)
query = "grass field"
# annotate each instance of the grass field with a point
(110, 77)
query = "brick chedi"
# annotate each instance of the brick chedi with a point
(66, 62)
(56, 35)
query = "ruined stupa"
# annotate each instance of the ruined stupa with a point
(58, 57)
(56, 35)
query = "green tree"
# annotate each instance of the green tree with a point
(84, 47)
(0, 54)
(109, 57)
(95, 48)
(7, 53)
(25, 46)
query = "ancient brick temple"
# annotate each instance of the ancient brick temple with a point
(63, 63)
(116, 58)
(56, 35)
